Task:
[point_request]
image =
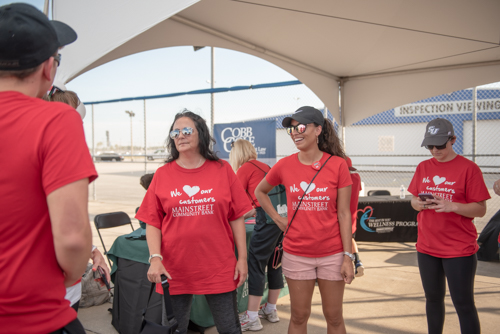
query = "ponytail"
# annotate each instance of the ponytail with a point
(329, 142)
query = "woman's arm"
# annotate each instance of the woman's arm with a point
(265, 202)
(156, 269)
(471, 210)
(240, 239)
(345, 222)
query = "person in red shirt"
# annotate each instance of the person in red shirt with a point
(194, 211)
(250, 172)
(46, 170)
(74, 292)
(359, 269)
(446, 244)
(317, 244)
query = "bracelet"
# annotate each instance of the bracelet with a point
(155, 255)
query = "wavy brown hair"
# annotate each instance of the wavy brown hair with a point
(205, 141)
(329, 141)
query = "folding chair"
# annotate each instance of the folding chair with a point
(109, 220)
(378, 193)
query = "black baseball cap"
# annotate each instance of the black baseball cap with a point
(28, 37)
(437, 132)
(305, 115)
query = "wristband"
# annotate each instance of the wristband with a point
(155, 255)
(351, 256)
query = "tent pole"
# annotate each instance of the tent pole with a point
(145, 143)
(474, 124)
(212, 78)
(341, 111)
(93, 154)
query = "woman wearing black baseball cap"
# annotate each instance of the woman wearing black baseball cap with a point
(449, 191)
(318, 228)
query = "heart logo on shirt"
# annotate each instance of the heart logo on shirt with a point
(438, 180)
(191, 191)
(304, 185)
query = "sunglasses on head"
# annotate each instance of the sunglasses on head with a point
(58, 59)
(439, 147)
(186, 132)
(299, 128)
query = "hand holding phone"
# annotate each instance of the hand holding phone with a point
(424, 196)
(103, 277)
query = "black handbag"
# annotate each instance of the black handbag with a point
(149, 327)
(278, 251)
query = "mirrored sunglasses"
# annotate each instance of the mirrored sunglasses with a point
(58, 59)
(439, 147)
(299, 128)
(186, 132)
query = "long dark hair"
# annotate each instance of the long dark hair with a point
(205, 141)
(329, 142)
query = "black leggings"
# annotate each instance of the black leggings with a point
(460, 273)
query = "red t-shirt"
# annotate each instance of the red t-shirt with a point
(250, 176)
(460, 180)
(43, 148)
(193, 208)
(315, 229)
(356, 188)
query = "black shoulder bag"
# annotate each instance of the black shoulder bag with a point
(149, 327)
(278, 251)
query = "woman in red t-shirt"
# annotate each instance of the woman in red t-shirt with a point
(317, 244)
(446, 244)
(194, 209)
(243, 159)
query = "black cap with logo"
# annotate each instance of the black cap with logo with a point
(28, 37)
(305, 115)
(437, 132)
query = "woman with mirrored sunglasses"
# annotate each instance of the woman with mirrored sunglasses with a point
(446, 244)
(194, 211)
(317, 244)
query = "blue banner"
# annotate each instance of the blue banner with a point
(262, 134)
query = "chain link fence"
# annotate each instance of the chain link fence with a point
(385, 148)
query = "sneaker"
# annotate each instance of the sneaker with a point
(271, 316)
(249, 325)
(360, 269)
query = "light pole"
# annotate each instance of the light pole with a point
(131, 114)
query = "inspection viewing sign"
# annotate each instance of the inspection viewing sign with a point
(445, 108)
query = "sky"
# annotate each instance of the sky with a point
(179, 69)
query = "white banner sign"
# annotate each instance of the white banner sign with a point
(445, 108)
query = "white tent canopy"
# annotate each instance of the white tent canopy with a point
(381, 53)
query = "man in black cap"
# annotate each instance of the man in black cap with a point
(46, 169)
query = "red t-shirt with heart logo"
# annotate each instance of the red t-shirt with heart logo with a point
(315, 229)
(193, 208)
(460, 180)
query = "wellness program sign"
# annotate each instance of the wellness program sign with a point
(262, 135)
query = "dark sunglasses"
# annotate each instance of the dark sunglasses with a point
(53, 90)
(58, 59)
(299, 128)
(439, 147)
(186, 132)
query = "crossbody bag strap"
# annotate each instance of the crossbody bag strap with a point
(298, 206)
(265, 173)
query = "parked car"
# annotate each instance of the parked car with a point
(109, 156)
(158, 154)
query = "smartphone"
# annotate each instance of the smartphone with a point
(103, 277)
(424, 196)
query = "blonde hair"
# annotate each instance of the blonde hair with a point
(242, 151)
(69, 97)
